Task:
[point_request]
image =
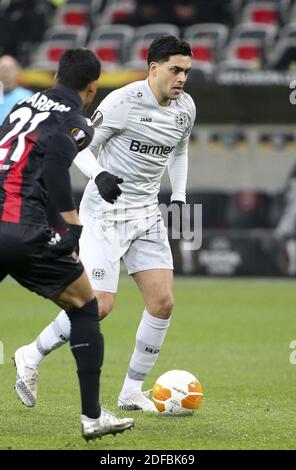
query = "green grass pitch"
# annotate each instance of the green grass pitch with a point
(234, 335)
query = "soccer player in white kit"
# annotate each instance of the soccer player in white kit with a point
(141, 129)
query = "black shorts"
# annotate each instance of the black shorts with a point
(25, 256)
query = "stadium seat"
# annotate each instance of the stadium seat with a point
(50, 52)
(73, 15)
(151, 31)
(203, 50)
(76, 34)
(94, 5)
(284, 55)
(284, 8)
(292, 16)
(139, 51)
(116, 11)
(231, 139)
(213, 31)
(119, 36)
(237, 7)
(289, 31)
(249, 50)
(261, 12)
(265, 33)
(207, 42)
(108, 51)
(144, 35)
(277, 140)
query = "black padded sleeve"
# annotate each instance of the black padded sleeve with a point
(58, 158)
(73, 135)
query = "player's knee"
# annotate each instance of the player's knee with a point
(104, 310)
(105, 305)
(164, 306)
(75, 295)
(68, 302)
(168, 305)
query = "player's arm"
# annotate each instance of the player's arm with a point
(59, 155)
(87, 163)
(178, 170)
(108, 119)
(71, 217)
(86, 160)
(178, 163)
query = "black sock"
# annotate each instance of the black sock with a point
(87, 347)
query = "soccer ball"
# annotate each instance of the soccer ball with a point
(177, 392)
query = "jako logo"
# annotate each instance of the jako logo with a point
(137, 146)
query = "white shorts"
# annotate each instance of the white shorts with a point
(143, 244)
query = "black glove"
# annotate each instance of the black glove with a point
(107, 185)
(175, 216)
(66, 243)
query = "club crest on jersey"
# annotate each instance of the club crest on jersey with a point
(79, 136)
(181, 120)
(97, 118)
(98, 274)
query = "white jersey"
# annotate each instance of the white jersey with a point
(136, 139)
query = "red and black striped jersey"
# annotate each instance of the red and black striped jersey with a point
(26, 137)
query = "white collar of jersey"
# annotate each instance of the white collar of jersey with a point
(151, 94)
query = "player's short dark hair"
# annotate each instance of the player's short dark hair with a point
(163, 47)
(78, 67)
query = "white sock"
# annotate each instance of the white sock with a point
(130, 386)
(149, 339)
(32, 355)
(53, 336)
